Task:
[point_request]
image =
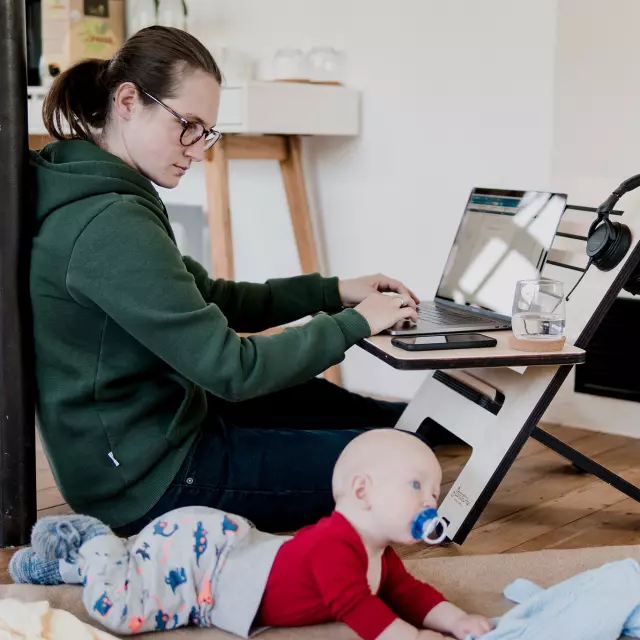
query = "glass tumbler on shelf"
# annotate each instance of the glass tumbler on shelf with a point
(538, 310)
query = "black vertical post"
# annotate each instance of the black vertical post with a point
(17, 431)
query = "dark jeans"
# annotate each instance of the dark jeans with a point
(271, 459)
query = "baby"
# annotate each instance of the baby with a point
(343, 568)
(200, 566)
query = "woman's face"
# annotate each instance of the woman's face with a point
(149, 135)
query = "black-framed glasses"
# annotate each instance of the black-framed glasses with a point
(192, 132)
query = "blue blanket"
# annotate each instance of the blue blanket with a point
(601, 604)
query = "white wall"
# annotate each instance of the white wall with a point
(596, 146)
(455, 94)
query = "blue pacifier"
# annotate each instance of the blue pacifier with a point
(426, 523)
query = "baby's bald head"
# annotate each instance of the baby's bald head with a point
(381, 452)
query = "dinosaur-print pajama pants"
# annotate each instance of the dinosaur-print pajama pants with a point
(165, 577)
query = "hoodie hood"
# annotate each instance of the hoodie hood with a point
(72, 170)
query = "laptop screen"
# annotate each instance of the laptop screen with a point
(504, 236)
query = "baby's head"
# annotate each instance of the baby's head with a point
(383, 479)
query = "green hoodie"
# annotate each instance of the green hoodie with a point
(130, 336)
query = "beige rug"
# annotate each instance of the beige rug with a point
(474, 583)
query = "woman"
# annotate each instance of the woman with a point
(148, 399)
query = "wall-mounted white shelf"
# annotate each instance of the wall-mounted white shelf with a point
(254, 108)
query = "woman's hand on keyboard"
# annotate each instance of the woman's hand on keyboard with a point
(382, 312)
(354, 290)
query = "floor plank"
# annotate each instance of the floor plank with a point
(547, 475)
(617, 524)
(523, 525)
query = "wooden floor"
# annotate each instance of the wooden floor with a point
(543, 502)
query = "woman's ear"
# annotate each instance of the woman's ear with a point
(125, 100)
(361, 488)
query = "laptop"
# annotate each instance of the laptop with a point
(504, 236)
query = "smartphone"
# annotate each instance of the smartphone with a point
(448, 341)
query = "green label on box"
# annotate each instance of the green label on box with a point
(96, 8)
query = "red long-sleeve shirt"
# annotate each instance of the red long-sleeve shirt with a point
(320, 575)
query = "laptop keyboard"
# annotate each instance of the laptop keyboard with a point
(441, 315)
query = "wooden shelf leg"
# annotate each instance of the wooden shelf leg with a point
(293, 178)
(219, 216)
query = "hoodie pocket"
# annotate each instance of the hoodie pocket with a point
(189, 416)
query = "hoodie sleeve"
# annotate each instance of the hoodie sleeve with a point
(124, 264)
(254, 307)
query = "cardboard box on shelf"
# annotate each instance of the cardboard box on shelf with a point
(73, 30)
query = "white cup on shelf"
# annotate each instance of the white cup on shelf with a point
(289, 64)
(325, 65)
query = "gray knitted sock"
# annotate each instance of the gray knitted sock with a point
(25, 567)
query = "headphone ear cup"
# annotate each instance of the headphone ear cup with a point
(618, 248)
(598, 241)
(608, 244)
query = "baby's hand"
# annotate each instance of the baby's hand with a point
(475, 626)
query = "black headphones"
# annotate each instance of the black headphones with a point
(608, 241)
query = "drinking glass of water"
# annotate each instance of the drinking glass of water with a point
(538, 310)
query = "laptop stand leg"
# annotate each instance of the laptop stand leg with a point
(586, 464)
